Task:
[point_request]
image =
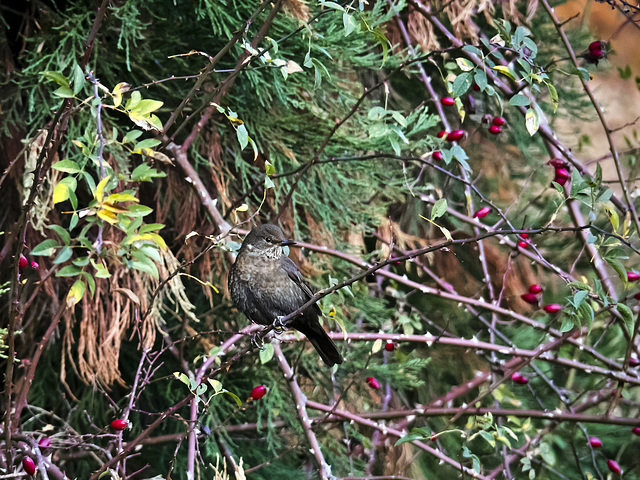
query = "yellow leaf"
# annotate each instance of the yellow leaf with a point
(114, 208)
(377, 345)
(139, 238)
(100, 189)
(464, 64)
(613, 217)
(108, 216)
(120, 197)
(531, 121)
(60, 193)
(75, 293)
(159, 241)
(505, 71)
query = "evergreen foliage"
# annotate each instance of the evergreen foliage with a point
(137, 134)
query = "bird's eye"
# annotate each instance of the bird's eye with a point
(268, 240)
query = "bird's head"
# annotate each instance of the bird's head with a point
(266, 240)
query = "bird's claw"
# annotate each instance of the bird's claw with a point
(278, 325)
(257, 341)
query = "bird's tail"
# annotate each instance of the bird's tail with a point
(321, 342)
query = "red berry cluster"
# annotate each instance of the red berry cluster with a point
(522, 243)
(531, 296)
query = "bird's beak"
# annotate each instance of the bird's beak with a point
(287, 242)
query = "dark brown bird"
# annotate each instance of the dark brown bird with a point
(266, 285)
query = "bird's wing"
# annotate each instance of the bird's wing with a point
(295, 275)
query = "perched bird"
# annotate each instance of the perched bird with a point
(266, 285)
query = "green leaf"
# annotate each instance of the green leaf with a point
(215, 384)
(332, 5)
(349, 23)
(57, 77)
(146, 267)
(147, 143)
(473, 50)
(480, 77)
(461, 84)
(183, 378)
(618, 267)
(134, 100)
(553, 95)
(138, 210)
(132, 136)
(90, 281)
(243, 136)
(519, 100)
(567, 324)
(101, 270)
(627, 317)
(235, 397)
(78, 78)
(61, 232)
(67, 166)
(268, 183)
(46, 248)
(63, 255)
(439, 208)
(69, 271)
(63, 92)
(147, 106)
(579, 286)
(409, 438)
(586, 314)
(266, 354)
(151, 227)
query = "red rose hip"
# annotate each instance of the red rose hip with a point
(633, 276)
(561, 176)
(535, 288)
(520, 379)
(483, 212)
(498, 121)
(447, 101)
(455, 135)
(595, 442)
(389, 346)
(373, 383)
(552, 308)
(437, 156)
(23, 261)
(614, 466)
(494, 130)
(442, 134)
(530, 298)
(119, 424)
(522, 244)
(29, 466)
(636, 431)
(258, 392)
